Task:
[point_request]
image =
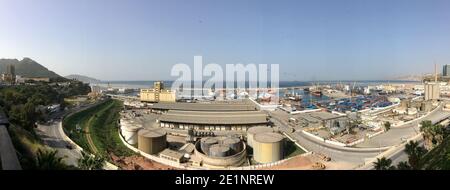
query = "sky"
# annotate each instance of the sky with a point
(310, 40)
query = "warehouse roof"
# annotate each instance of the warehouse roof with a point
(217, 118)
(236, 106)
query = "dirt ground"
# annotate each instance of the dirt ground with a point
(306, 163)
(295, 163)
(138, 163)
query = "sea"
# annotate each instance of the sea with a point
(282, 84)
(306, 97)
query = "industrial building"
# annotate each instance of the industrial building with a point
(315, 120)
(268, 147)
(240, 105)
(219, 121)
(172, 155)
(432, 91)
(152, 141)
(157, 94)
(220, 152)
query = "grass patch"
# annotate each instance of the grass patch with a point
(292, 149)
(103, 128)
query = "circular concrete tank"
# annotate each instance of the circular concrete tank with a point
(129, 132)
(233, 143)
(268, 147)
(219, 150)
(206, 143)
(256, 130)
(152, 141)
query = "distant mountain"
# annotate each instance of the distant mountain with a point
(27, 68)
(82, 78)
(409, 78)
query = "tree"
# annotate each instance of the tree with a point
(90, 162)
(383, 164)
(47, 160)
(432, 134)
(387, 126)
(415, 153)
(403, 166)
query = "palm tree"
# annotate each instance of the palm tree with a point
(432, 134)
(387, 126)
(90, 162)
(403, 166)
(415, 153)
(383, 164)
(47, 160)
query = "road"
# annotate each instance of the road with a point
(51, 135)
(397, 135)
(367, 150)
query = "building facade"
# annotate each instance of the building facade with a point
(157, 94)
(432, 91)
(446, 71)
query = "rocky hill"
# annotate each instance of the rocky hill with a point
(27, 68)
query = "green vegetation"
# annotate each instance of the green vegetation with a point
(415, 153)
(48, 160)
(26, 144)
(292, 149)
(433, 135)
(387, 126)
(90, 162)
(22, 103)
(99, 129)
(438, 158)
(383, 164)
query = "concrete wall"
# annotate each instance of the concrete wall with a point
(8, 154)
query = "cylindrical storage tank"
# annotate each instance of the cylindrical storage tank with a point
(234, 143)
(268, 147)
(152, 141)
(219, 150)
(129, 132)
(206, 143)
(256, 130)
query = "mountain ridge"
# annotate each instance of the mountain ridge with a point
(27, 68)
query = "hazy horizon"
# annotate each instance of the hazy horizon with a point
(137, 40)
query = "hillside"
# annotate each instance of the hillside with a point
(82, 78)
(438, 158)
(27, 68)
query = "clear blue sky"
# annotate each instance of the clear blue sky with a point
(311, 40)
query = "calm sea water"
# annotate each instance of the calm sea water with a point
(283, 84)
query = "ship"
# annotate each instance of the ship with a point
(316, 93)
(306, 90)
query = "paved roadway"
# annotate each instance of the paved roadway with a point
(51, 135)
(397, 135)
(367, 150)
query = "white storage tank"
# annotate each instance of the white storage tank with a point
(256, 130)
(129, 132)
